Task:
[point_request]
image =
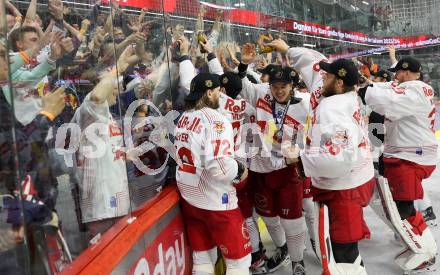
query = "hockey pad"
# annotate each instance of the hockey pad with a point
(409, 260)
(348, 269)
(376, 205)
(418, 238)
(324, 247)
(322, 237)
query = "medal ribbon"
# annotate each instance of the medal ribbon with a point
(283, 118)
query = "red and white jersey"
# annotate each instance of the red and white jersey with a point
(337, 154)
(409, 119)
(204, 143)
(101, 163)
(266, 155)
(234, 111)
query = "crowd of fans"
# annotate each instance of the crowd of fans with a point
(380, 16)
(58, 67)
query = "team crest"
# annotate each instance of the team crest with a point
(293, 74)
(340, 138)
(208, 83)
(219, 127)
(385, 75)
(405, 65)
(225, 80)
(279, 75)
(342, 72)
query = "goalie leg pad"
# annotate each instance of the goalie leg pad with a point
(324, 247)
(413, 230)
(355, 268)
(322, 237)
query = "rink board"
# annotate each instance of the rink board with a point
(151, 241)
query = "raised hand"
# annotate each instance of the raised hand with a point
(184, 45)
(53, 103)
(232, 54)
(56, 9)
(248, 53)
(127, 58)
(279, 45)
(56, 50)
(206, 47)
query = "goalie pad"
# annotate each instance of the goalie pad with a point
(324, 247)
(377, 206)
(413, 231)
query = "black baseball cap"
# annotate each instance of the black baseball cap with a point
(384, 74)
(200, 84)
(407, 64)
(267, 69)
(283, 74)
(343, 69)
(232, 84)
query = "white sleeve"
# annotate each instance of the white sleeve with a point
(335, 154)
(395, 102)
(219, 152)
(215, 67)
(186, 72)
(304, 61)
(251, 92)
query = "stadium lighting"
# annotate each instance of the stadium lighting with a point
(366, 3)
(239, 4)
(309, 45)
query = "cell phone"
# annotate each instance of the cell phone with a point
(58, 29)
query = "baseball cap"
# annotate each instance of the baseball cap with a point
(384, 74)
(232, 84)
(407, 63)
(343, 69)
(200, 84)
(267, 69)
(283, 74)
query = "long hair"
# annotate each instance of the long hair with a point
(202, 102)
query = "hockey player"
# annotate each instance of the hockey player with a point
(280, 116)
(206, 176)
(238, 111)
(336, 156)
(408, 157)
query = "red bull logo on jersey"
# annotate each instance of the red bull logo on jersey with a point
(219, 127)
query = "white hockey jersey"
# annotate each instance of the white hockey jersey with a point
(101, 163)
(409, 119)
(204, 143)
(337, 154)
(234, 111)
(239, 112)
(266, 155)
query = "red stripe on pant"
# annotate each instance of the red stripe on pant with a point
(324, 258)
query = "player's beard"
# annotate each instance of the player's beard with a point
(329, 89)
(211, 103)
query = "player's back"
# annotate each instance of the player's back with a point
(205, 155)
